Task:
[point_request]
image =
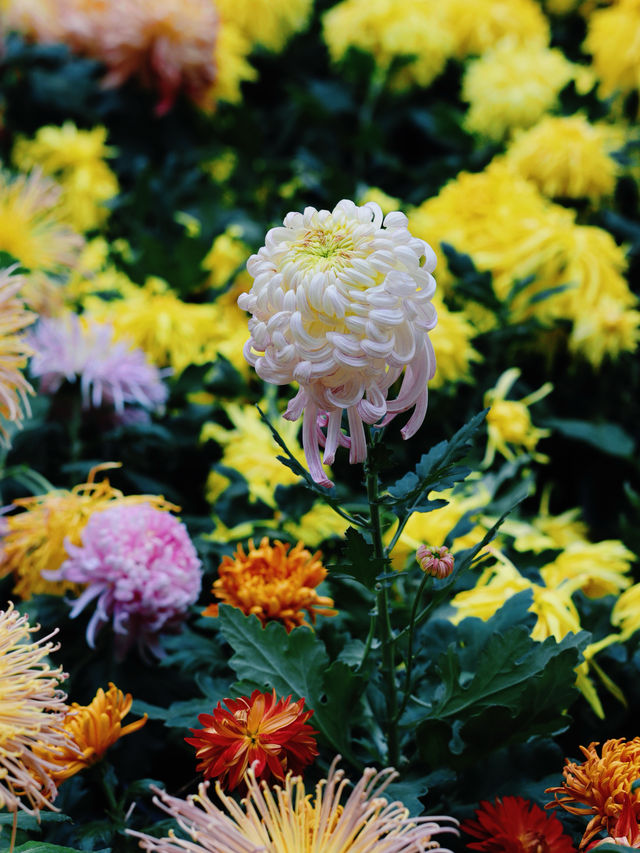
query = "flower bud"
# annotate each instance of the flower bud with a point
(435, 561)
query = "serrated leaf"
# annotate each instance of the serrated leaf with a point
(495, 685)
(358, 560)
(436, 470)
(294, 663)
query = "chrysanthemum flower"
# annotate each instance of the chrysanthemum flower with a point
(477, 25)
(273, 583)
(141, 566)
(612, 39)
(32, 224)
(602, 566)
(601, 785)
(626, 830)
(605, 329)
(32, 710)
(516, 825)
(14, 351)
(567, 156)
(111, 373)
(546, 531)
(626, 612)
(509, 426)
(92, 729)
(172, 333)
(286, 819)
(269, 735)
(269, 23)
(77, 160)
(250, 448)
(341, 304)
(414, 30)
(513, 85)
(35, 539)
(319, 523)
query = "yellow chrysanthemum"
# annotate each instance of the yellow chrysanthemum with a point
(511, 230)
(432, 528)
(32, 223)
(600, 566)
(273, 583)
(626, 612)
(232, 66)
(250, 448)
(513, 85)
(91, 730)
(269, 23)
(171, 332)
(320, 523)
(34, 538)
(451, 341)
(509, 427)
(389, 31)
(32, 710)
(567, 156)
(14, 351)
(76, 159)
(605, 330)
(478, 25)
(546, 531)
(94, 273)
(612, 39)
(226, 256)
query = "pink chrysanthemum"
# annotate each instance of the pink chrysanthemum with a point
(141, 566)
(110, 372)
(341, 304)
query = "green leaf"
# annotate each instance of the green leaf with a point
(607, 437)
(437, 470)
(492, 684)
(47, 847)
(358, 560)
(296, 664)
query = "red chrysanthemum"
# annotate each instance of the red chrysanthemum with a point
(269, 734)
(516, 825)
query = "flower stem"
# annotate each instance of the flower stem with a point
(14, 830)
(412, 625)
(384, 620)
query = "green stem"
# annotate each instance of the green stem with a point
(412, 625)
(367, 647)
(384, 619)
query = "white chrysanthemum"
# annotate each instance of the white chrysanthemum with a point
(341, 304)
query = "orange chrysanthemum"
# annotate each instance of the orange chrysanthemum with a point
(34, 540)
(273, 583)
(92, 729)
(601, 785)
(267, 734)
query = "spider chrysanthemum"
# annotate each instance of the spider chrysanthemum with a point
(260, 731)
(273, 582)
(286, 819)
(601, 785)
(341, 304)
(92, 729)
(14, 350)
(32, 709)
